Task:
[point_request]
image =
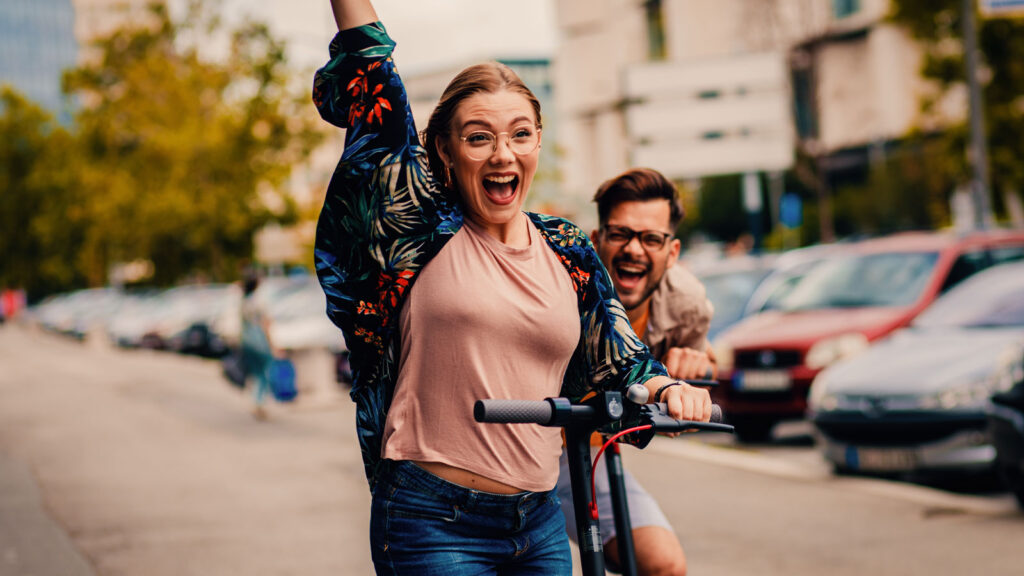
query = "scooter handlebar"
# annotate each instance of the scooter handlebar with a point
(495, 410)
(657, 415)
(716, 414)
(513, 411)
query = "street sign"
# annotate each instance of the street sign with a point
(1002, 8)
(791, 210)
(690, 119)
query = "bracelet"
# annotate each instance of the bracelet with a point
(657, 395)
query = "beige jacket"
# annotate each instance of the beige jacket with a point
(680, 313)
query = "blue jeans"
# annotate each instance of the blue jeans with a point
(257, 365)
(421, 524)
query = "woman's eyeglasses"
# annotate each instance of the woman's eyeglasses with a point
(621, 235)
(481, 144)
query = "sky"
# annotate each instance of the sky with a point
(430, 33)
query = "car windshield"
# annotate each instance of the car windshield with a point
(781, 284)
(868, 280)
(989, 299)
(730, 291)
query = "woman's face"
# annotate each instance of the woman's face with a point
(492, 184)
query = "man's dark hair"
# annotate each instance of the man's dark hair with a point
(638, 185)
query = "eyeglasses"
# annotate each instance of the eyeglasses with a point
(481, 144)
(649, 239)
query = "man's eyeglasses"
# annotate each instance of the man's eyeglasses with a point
(481, 144)
(649, 239)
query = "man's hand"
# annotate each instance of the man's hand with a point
(684, 402)
(684, 363)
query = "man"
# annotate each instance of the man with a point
(638, 212)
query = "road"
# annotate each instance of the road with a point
(140, 463)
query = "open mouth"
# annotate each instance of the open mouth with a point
(501, 189)
(631, 275)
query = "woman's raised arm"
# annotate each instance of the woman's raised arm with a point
(353, 13)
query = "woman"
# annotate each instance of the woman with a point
(447, 292)
(257, 352)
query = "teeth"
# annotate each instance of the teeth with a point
(633, 269)
(500, 179)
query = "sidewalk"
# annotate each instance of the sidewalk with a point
(31, 542)
(134, 463)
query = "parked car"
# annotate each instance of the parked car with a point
(729, 284)
(917, 400)
(299, 319)
(788, 269)
(79, 313)
(210, 314)
(742, 286)
(861, 294)
(1006, 426)
(134, 319)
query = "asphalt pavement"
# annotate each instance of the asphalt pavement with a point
(138, 463)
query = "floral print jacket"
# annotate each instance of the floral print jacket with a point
(385, 217)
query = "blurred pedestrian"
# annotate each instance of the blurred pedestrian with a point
(257, 350)
(638, 213)
(448, 292)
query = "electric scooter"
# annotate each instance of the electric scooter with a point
(579, 422)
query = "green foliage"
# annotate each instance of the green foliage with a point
(720, 207)
(720, 212)
(39, 224)
(937, 25)
(901, 193)
(176, 157)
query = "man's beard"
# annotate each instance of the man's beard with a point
(651, 283)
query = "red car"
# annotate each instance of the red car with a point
(768, 361)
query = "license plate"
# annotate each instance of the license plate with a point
(881, 459)
(762, 380)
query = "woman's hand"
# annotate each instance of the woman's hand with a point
(684, 402)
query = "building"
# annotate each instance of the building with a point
(36, 46)
(40, 39)
(835, 79)
(98, 18)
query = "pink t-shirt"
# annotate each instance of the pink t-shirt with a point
(484, 320)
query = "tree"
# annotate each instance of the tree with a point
(39, 224)
(937, 25)
(184, 152)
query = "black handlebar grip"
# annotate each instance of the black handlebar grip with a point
(716, 414)
(513, 411)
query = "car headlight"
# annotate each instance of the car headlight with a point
(1010, 369)
(971, 395)
(819, 398)
(976, 393)
(829, 350)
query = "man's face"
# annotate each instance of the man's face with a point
(636, 267)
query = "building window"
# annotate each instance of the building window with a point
(803, 102)
(656, 49)
(844, 8)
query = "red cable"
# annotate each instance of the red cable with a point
(593, 474)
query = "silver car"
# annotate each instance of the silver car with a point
(917, 401)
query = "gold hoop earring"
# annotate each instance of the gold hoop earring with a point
(448, 175)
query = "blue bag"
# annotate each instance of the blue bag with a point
(282, 379)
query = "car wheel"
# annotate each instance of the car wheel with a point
(753, 430)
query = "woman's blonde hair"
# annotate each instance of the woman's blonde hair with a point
(488, 77)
